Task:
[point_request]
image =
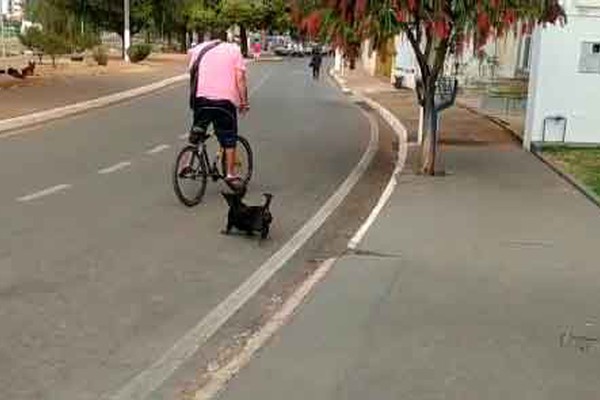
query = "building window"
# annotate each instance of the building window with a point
(589, 58)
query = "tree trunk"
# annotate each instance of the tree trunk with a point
(183, 38)
(244, 40)
(429, 153)
(200, 33)
(122, 45)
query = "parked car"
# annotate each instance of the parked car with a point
(282, 51)
(297, 50)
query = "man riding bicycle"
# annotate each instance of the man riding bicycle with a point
(220, 91)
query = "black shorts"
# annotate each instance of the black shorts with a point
(222, 114)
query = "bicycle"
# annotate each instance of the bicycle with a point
(194, 165)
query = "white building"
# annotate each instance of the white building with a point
(564, 86)
(12, 9)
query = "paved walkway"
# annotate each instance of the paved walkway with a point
(479, 285)
(74, 85)
(513, 120)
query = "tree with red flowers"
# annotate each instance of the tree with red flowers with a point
(434, 28)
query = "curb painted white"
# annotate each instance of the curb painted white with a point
(219, 379)
(402, 134)
(152, 377)
(24, 121)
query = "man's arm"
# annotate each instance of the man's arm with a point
(242, 86)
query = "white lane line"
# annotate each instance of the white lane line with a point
(158, 149)
(114, 168)
(155, 374)
(262, 81)
(402, 154)
(44, 192)
(219, 379)
(184, 136)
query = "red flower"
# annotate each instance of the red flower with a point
(441, 28)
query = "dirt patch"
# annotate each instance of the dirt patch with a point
(66, 68)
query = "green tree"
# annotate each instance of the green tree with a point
(54, 45)
(108, 15)
(60, 31)
(32, 38)
(434, 28)
(246, 14)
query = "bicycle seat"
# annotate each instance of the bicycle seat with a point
(198, 134)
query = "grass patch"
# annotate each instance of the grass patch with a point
(582, 163)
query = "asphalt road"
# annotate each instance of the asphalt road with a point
(102, 269)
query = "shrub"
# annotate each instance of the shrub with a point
(54, 45)
(100, 55)
(139, 52)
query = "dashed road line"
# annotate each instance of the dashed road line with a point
(114, 168)
(158, 149)
(44, 192)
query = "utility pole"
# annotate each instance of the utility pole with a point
(2, 38)
(126, 33)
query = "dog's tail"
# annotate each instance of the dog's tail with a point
(268, 197)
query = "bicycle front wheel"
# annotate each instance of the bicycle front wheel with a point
(189, 176)
(244, 163)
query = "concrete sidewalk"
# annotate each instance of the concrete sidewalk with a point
(52, 89)
(479, 285)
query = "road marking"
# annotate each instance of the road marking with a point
(219, 379)
(262, 81)
(158, 149)
(114, 168)
(154, 375)
(44, 192)
(402, 134)
(184, 136)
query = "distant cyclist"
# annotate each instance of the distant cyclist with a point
(221, 84)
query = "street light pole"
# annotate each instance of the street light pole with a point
(126, 33)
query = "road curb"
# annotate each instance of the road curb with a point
(23, 121)
(401, 132)
(576, 183)
(340, 82)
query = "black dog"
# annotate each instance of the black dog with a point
(246, 218)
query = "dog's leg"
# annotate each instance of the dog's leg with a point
(264, 232)
(227, 230)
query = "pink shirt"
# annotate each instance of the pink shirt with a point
(217, 72)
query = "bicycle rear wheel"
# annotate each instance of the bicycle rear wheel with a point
(189, 176)
(244, 162)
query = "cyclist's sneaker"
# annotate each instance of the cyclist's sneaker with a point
(185, 172)
(236, 183)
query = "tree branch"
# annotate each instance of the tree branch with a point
(417, 50)
(440, 57)
(428, 45)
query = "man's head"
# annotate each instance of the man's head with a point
(219, 34)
